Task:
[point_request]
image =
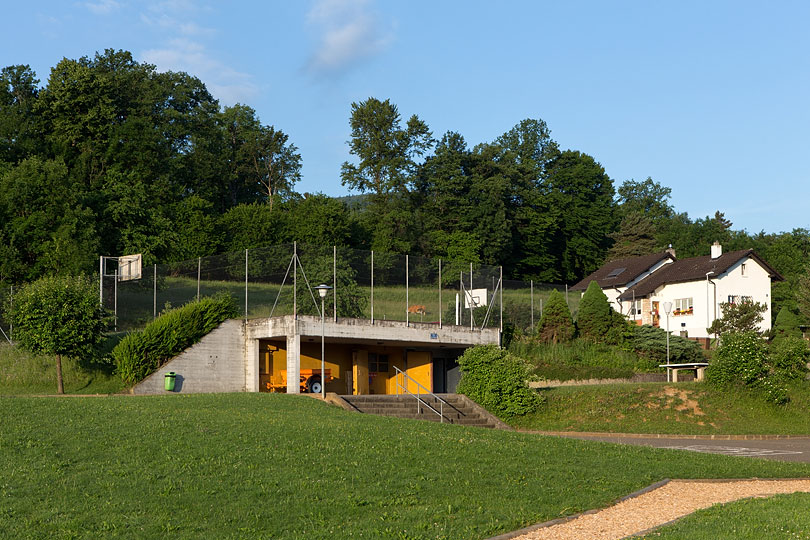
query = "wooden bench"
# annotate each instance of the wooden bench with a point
(673, 369)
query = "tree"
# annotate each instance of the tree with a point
(648, 197)
(387, 163)
(636, 236)
(18, 94)
(738, 318)
(594, 319)
(556, 325)
(803, 294)
(58, 316)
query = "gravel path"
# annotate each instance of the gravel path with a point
(671, 501)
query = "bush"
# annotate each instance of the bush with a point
(740, 360)
(496, 380)
(609, 361)
(556, 325)
(786, 325)
(788, 357)
(141, 353)
(594, 319)
(651, 342)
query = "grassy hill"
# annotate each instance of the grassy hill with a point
(683, 408)
(279, 466)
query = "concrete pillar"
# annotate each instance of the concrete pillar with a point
(252, 365)
(293, 362)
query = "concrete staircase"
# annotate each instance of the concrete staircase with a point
(458, 409)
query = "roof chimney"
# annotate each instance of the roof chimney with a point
(717, 249)
(671, 251)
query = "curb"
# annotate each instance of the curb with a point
(598, 434)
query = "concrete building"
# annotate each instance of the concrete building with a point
(284, 354)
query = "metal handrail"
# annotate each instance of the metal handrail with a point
(418, 395)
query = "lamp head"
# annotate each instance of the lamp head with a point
(667, 307)
(323, 289)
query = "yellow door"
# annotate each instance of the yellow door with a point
(360, 372)
(420, 370)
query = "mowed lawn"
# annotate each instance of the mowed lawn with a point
(278, 466)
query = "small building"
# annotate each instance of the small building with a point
(283, 354)
(695, 287)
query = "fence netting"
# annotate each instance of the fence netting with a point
(283, 279)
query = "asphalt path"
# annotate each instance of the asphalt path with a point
(779, 449)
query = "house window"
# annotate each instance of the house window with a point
(683, 306)
(636, 312)
(742, 269)
(737, 299)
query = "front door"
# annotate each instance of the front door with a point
(656, 318)
(378, 373)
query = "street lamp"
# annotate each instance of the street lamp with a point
(667, 309)
(322, 290)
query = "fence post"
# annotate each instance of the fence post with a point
(407, 293)
(199, 265)
(334, 282)
(246, 285)
(154, 294)
(295, 280)
(472, 302)
(531, 296)
(440, 293)
(501, 296)
(372, 286)
(101, 280)
(115, 300)
(11, 322)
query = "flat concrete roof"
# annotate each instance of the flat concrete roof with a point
(347, 330)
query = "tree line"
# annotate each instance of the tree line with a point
(112, 157)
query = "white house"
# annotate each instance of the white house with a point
(695, 287)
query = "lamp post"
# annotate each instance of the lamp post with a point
(667, 309)
(322, 290)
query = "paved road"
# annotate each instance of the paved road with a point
(797, 449)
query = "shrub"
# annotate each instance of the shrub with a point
(740, 360)
(496, 380)
(594, 319)
(556, 325)
(786, 325)
(141, 353)
(788, 357)
(651, 342)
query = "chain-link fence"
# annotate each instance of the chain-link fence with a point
(281, 280)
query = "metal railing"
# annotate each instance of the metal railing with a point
(419, 393)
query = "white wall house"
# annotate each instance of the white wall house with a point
(695, 287)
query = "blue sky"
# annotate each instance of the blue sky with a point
(707, 98)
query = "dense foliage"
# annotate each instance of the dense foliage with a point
(142, 352)
(111, 157)
(556, 325)
(496, 380)
(651, 342)
(739, 317)
(58, 315)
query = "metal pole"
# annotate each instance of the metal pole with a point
(295, 280)
(531, 296)
(407, 297)
(101, 283)
(667, 337)
(246, 284)
(472, 303)
(115, 300)
(334, 283)
(323, 348)
(440, 293)
(154, 294)
(372, 287)
(11, 322)
(199, 265)
(501, 296)
(566, 296)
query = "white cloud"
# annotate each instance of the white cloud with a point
(102, 7)
(350, 31)
(226, 84)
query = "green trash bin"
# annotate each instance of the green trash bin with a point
(168, 381)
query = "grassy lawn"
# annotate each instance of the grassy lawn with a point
(684, 408)
(278, 466)
(781, 516)
(25, 373)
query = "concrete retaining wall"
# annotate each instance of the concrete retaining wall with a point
(215, 364)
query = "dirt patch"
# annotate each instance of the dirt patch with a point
(679, 400)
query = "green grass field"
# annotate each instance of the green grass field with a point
(279, 466)
(683, 408)
(781, 516)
